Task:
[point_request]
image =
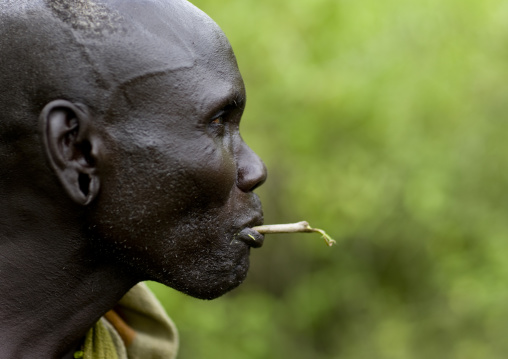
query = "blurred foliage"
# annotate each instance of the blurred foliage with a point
(382, 122)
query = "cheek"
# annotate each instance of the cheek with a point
(213, 171)
(182, 179)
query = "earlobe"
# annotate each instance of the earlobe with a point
(72, 148)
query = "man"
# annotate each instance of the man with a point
(121, 162)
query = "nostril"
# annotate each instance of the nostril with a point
(251, 176)
(258, 184)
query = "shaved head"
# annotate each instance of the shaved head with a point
(84, 50)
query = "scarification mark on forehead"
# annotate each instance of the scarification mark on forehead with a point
(122, 89)
(88, 16)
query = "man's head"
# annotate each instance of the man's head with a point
(124, 117)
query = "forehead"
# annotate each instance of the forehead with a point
(167, 52)
(159, 36)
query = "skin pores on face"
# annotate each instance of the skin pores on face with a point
(174, 197)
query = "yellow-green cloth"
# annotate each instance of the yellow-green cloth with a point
(154, 334)
(99, 344)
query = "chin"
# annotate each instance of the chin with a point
(208, 283)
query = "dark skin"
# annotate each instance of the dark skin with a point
(122, 162)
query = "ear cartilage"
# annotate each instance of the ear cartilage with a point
(299, 227)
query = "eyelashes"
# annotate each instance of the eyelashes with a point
(218, 120)
(218, 123)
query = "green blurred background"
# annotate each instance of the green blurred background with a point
(383, 122)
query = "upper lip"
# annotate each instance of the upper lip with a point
(257, 221)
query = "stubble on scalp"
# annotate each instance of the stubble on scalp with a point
(88, 16)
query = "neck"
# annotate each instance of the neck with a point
(53, 289)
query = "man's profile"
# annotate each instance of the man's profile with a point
(121, 162)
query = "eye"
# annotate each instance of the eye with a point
(218, 123)
(218, 120)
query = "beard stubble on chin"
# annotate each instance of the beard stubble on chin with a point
(203, 259)
(196, 255)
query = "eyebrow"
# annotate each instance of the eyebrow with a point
(237, 100)
(234, 100)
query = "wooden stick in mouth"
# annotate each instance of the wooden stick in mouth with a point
(299, 227)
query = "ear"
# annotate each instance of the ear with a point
(72, 148)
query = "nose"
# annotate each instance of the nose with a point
(251, 171)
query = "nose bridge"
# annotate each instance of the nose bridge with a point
(251, 171)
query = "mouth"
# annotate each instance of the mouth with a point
(251, 237)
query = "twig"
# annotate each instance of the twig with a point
(294, 228)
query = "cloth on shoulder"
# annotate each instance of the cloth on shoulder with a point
(137, 328)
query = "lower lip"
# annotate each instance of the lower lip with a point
(251, 237)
